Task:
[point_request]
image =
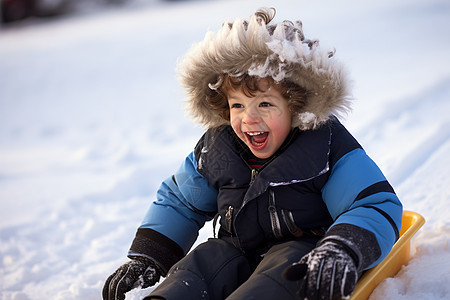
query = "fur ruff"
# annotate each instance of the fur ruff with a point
(262, 49)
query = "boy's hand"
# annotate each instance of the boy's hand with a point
(329, 272)
(139, 271)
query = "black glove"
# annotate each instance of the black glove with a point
(140, 271)
(329, 272)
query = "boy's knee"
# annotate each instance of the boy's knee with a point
(265, 286)
(181, 284)
(213, 270)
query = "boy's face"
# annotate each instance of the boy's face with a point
(262, 122)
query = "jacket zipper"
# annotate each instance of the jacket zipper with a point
(229, 214)
(253, 177)
(274, 219)
(229, 218)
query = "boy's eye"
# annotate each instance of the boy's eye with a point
(237, 105)
(265, 104)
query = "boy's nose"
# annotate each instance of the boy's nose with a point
(251, 116)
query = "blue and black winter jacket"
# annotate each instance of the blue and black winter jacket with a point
(319, 180)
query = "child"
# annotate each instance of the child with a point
(303, 210)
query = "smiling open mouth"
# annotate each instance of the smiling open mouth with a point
(257, 138)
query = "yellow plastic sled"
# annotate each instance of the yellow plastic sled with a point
(398, 257)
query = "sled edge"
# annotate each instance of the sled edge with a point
(397, 257)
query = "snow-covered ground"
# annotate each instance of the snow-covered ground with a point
(91, 122)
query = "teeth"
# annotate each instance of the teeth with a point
(255, 133)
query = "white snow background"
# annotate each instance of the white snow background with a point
(91, 121)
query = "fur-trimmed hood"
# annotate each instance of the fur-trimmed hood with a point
(261, 49)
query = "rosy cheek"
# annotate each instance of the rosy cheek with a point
(236, 125)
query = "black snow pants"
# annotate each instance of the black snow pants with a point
(217, 270)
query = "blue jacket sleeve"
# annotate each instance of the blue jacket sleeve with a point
(358, 193)
(184, 203)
